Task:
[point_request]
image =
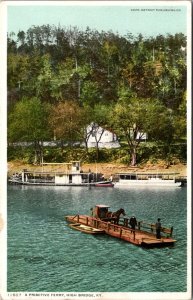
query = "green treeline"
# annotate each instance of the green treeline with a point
(60, 80)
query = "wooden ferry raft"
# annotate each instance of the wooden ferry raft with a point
(144, 235)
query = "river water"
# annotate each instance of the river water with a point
(45, 254)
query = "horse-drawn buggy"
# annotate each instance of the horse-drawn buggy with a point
(102, 212)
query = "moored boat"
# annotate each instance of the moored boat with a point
(86, 229)
(147, 180)
(72, 175)
(143, 235)
(104, 184)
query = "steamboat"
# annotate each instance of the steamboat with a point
(72, 175)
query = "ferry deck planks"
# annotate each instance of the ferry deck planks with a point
(136, 237)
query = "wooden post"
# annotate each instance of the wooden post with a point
(97, 224)
(139, 225)
(171, 231)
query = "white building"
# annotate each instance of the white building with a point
(142, 136)
(105, 138)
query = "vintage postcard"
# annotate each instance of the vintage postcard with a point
(95, 141)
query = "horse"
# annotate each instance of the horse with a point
(116, 215)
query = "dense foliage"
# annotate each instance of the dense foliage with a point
(67, 78)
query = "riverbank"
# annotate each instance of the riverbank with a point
(107, 169)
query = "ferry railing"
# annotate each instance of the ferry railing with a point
(140, 226)
(109, 226)
(117, 229)
(144, 230)
(152, 228)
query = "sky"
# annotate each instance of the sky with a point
(116, 16)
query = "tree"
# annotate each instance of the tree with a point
(17, 71)
(90, 93)
(28, 122)
(100, 121)
(43, 84)
(180, 119)
(134, 117)
(86, 120)
(21, 37)
(110, 50)
(65, 121)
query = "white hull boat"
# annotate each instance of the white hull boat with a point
(146, 180)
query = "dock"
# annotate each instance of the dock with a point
(138, 237)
